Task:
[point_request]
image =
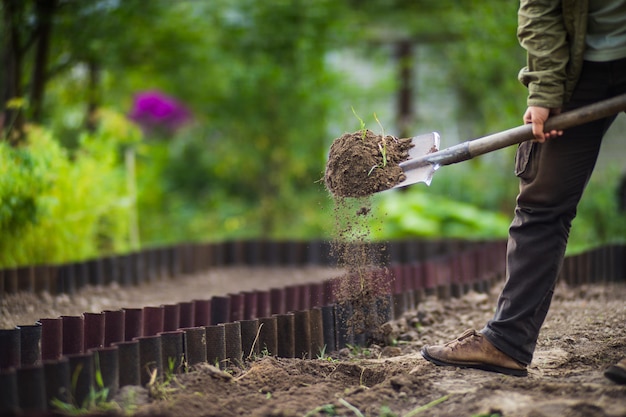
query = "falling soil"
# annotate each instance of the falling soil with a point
(364, 286)
(363, 163)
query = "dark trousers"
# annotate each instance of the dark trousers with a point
(552, 177)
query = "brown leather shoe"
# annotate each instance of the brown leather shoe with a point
(617, 372)
(473, 350)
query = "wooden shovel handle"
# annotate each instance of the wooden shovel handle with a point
(486, 144)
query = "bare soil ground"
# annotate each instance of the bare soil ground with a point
(584, 333)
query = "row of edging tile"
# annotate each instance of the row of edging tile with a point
(36, 360)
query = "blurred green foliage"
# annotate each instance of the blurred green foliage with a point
(417, 212)
(599, 218)
(59, 206)
(270, 84)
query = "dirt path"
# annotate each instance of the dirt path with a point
(584, 332)
(28, 308)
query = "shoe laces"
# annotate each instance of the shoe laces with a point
(468, 336)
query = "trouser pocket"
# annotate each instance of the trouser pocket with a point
(526, 160)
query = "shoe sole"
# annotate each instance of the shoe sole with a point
(616, 374)
(481, 366)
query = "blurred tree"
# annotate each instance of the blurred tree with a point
(91, 57)
(44, 39)
(275, 110)
(256, 77)
(14, 49)
(476, 41)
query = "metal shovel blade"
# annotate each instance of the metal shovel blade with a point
(422, 145)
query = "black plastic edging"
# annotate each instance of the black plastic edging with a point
(291, 322)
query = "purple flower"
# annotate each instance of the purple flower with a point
(158, 112)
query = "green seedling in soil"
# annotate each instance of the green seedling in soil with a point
(331, 410)
(96, 399)
(163, 389)
(351, 407)
(223, 365)
(362, 123)
(322, 354)
(361, 383)
(358, 350)
(383, 152)
(323, 357)
(385, 411)
(159, 390)
(328, 409)
(425, 407)
(383, 147)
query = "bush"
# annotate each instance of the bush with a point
(419, 213)
(56, 206)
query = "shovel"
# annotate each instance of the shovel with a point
(425, 157)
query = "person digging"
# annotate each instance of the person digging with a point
(576, 55)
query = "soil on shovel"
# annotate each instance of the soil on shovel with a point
(363, 163)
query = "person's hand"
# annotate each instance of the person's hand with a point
(538, 116)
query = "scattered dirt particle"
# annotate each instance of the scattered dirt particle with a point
(363, 211)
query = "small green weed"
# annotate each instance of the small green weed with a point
(96, 400)
(382, 146)
(358, 350)
(362, 123)
(162, 389)
(331, 410)
(385, 411)
(425, 407)
(328, 409)
(351, 407)
(323, 357)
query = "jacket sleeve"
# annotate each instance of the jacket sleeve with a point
(541, 32)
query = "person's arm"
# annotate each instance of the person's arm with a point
(541, 32)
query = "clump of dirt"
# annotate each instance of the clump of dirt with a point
(363, 163)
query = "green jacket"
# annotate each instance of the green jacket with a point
(553, 34)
